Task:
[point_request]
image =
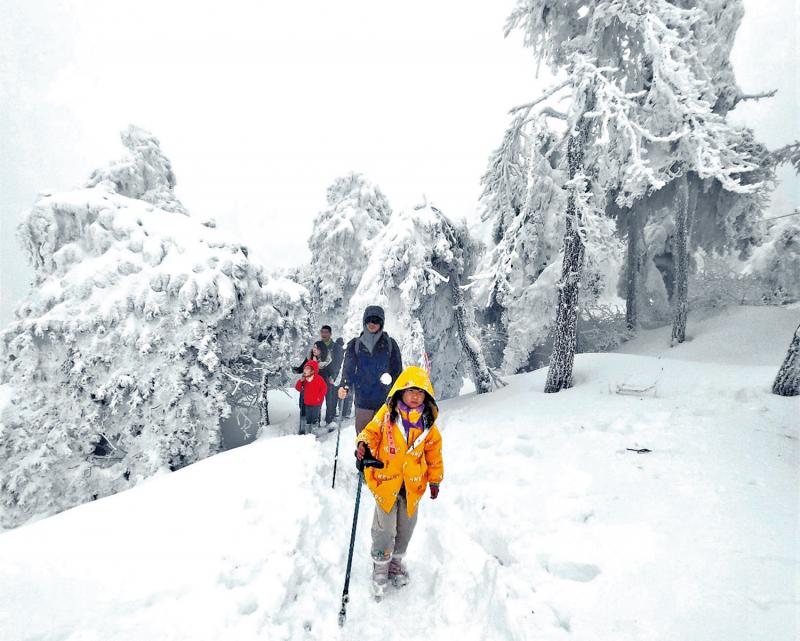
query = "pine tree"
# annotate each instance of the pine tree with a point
(517, 302)
(415, 271)
(681, 253)
(646, 81)
(559, 375)
(340, 244)
(787, 382)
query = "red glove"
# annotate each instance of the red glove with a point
(434, 490)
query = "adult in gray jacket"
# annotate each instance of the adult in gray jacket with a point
(331, 372)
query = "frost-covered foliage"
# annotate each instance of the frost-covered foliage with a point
(776, 262)
(415, 264)
(788, 154)
(516, 285)
(516, 299)
(143, 173)
(124, 355)
(787, 382)
(505, 183)
(661, 83)
(340, 244)
(647, 88)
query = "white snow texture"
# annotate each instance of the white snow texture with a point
(548, 527)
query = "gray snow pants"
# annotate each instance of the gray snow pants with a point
(391, 531)
(362, 418)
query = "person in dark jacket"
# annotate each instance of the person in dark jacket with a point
(331, 372)
(317, 352)
(372, 363)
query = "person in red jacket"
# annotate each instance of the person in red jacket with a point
(312, 388)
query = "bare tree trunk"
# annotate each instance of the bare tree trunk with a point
(787, 382)
(465, 326)
(263, 402)
(680, 251)
(633, 268)
(559, 374)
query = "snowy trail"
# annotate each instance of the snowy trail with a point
(547, 527)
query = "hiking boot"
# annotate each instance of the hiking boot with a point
(398, 573)
(380, 578)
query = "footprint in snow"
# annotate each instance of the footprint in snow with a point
(248, 605)
(582, 572)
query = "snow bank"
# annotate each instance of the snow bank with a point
(736, 335)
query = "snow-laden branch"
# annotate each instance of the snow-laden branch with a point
(742, 97)
(547, 94)
(437, 275)
(553, 113)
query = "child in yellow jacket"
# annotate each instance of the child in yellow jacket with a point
(403, 435)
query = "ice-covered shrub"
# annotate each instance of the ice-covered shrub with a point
(122, 354)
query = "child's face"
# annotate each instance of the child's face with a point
(307, 371)
(413, 397)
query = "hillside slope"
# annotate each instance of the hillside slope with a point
(547, 526)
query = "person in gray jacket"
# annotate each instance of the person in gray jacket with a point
(330, 372)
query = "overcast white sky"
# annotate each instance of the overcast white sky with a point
(260, 105)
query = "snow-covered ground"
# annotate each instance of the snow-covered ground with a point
(547, 526)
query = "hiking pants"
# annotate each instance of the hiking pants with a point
(311, 412)
(331, 398)
(362, 418)
(346, 406)
(391, 531)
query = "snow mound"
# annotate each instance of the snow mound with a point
(582, 515)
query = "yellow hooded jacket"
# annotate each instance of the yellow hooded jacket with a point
(416, 466)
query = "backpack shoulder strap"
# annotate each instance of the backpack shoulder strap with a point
(390, 341)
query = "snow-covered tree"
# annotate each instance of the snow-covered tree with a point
(776, 262)
(416, 271)
(124, 355)
(788, 154)
(143, 172)
(505, 183)
(644, 81)
(787, 382)
(340, 243)
(517, 303)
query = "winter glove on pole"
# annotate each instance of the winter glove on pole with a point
(434, 490)
(364, 458)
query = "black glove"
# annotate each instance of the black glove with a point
(367, 459)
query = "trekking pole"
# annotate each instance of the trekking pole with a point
(367, 461)
(336, 455)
